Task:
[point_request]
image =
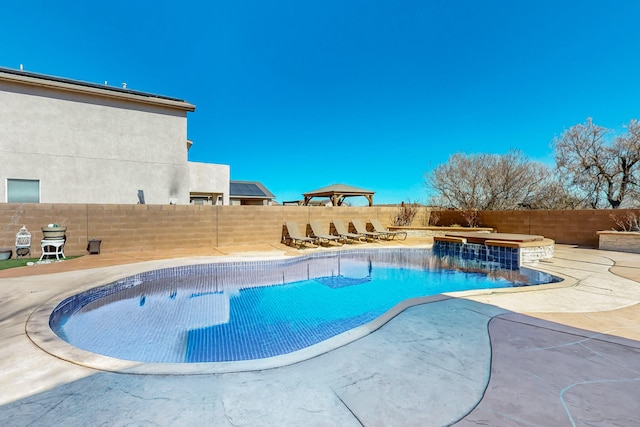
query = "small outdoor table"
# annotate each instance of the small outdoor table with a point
(52, 247)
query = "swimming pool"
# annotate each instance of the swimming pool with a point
(252, 310)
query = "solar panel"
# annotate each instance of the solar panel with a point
(245, 189)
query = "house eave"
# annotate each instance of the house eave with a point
(66, 85)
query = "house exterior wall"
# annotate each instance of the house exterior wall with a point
(90, 146)
(210, 178)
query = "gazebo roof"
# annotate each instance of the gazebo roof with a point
(338, 188)
(338, 192)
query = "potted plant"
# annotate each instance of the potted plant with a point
(54, 231)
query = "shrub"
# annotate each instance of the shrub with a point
(434, 217)
(472, 216)
(406, 213)
(628, 222)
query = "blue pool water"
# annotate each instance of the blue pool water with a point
(253, 310)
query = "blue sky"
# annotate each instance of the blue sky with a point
(303, 94)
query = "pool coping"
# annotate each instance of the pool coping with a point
(386, 378)
(38, 331)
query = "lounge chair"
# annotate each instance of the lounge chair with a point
(342, 231)
(390, 234)
(318, 232)
(294, 235)
(361, 229)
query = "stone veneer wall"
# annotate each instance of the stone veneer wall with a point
(621, 241)
(535, 253)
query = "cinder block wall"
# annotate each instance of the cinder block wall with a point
(575, 227)
(34, 216)
(147, 227)
(243, 225)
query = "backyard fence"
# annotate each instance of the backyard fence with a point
(124, 228)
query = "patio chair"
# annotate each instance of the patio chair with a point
(317, 231)
(361, 229)
(390, 234)
(343, 232)
(293, 235)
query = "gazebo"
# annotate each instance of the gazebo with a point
(337, 193)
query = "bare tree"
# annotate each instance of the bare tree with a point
(553, 194)
(596, 169)
(627, 151)
(487, 181)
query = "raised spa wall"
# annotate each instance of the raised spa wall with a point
(511, 251)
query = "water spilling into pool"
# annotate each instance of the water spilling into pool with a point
(253, 310)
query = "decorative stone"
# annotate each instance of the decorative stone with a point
(620, 241)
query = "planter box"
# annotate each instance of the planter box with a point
(620, 241)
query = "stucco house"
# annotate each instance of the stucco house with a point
(68, 141)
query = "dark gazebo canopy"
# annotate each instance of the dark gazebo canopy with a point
(337, 193)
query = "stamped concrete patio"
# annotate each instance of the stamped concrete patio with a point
(550, 356)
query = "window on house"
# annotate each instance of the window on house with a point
(23, 191)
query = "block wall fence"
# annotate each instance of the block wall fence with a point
(126, 228)
(572, 227)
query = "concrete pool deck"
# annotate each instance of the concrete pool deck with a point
(566, 355)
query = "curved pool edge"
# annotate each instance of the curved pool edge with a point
(564, 282)
(38, 331)
(41, 335)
